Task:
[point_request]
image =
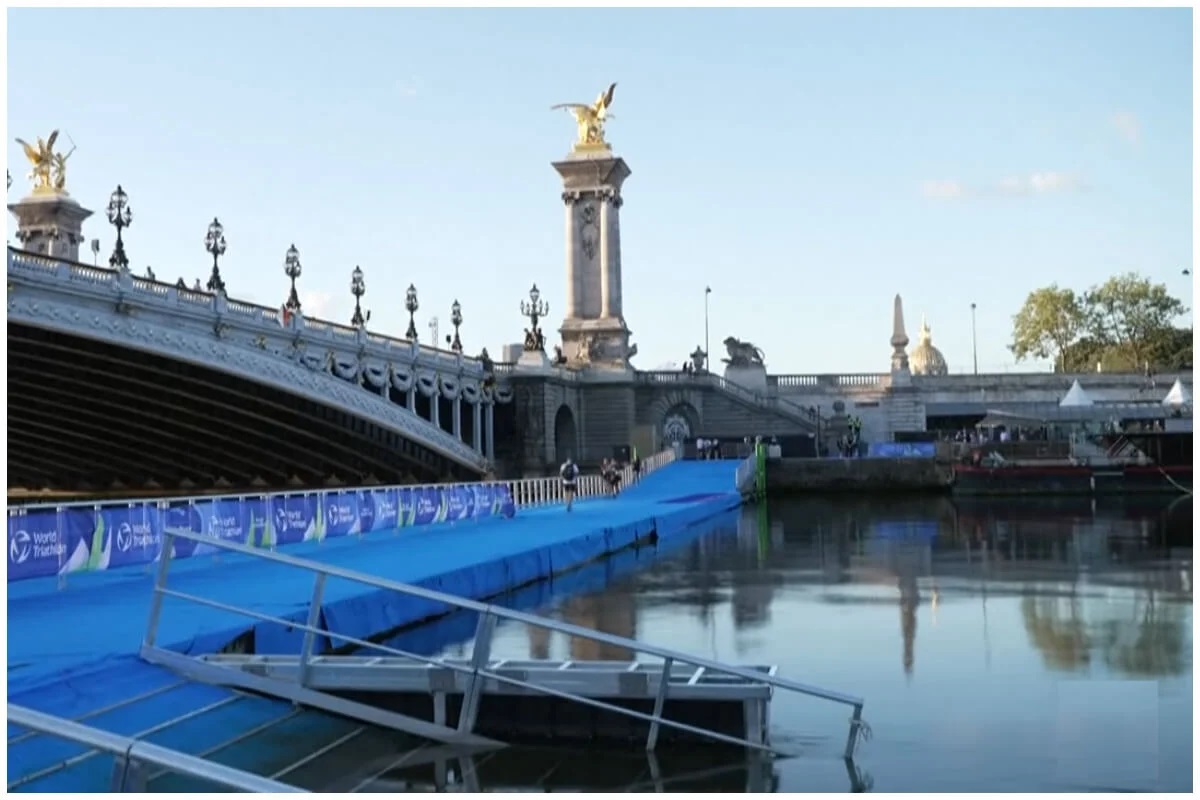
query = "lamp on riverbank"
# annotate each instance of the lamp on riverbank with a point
(120, 216)
(214, 243)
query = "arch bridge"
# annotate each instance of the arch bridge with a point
(120, 382)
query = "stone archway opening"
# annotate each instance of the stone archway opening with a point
(679, 424)
(566, 439)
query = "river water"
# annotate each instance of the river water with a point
(1000, 645)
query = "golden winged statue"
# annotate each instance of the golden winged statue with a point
(49, 172)
(591, 119)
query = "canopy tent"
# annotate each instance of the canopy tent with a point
(1178, 396)
(1076, 397)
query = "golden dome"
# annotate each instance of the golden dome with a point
(925, 359)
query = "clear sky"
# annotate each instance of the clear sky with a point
(807, 164)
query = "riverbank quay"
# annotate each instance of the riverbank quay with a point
(71, 649)
(792, 476)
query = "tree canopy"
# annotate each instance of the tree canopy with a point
(1125, 323)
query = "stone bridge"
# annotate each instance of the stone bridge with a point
(588, 414)
(118, 382)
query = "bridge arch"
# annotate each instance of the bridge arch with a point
(566, 434)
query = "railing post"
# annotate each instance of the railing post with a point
(128, 775)
(310, 635)
(479, 658)
(160, 583)
(852, 738)
(660, 700)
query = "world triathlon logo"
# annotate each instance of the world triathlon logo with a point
(124, 537)
(281, 520)
(20, 547)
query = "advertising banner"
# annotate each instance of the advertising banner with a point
(46, 542)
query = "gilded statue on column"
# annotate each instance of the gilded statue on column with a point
(590, 119)
(49, 168)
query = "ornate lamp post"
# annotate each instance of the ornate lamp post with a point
(358, 288)
(214, 243)
(535, 309)
(456, 321)
(291, 268)
(411, 305)
(119, 216)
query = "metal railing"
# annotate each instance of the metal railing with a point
(534, 492)
(132, 755)
(526, 492)
(489, 615)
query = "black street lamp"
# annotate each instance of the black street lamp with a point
(411, 305)
(119, 216)
(214, 243)
(535, 310)
(358, 287)
(456, 321)
(291, 268)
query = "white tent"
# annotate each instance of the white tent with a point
(1178, 396)
(1076, 397)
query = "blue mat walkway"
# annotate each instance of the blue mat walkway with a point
(77, 636)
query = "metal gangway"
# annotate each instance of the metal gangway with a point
(132, 757)
(310, 679)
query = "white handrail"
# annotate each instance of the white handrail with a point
(526, 492)
(135, 750)
(489, 614)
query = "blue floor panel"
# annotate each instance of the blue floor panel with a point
(74, 650)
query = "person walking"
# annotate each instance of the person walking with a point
(569, 472)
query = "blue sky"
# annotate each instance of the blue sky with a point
(807, 164)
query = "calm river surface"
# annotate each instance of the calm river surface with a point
(1000, 645)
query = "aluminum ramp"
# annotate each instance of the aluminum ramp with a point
(311, 679)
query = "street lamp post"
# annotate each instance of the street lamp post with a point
(411, 305)
(707, 292)
(291, 268)
(214, 243)
(535, 310)
(119, 216)
(456, 320)
(358, 287)
(974, 346)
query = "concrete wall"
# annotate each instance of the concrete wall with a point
(800, 475)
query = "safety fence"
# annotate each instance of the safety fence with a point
(47, 540)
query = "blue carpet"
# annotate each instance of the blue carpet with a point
(58, 634)
(72, 652)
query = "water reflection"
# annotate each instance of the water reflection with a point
(987, 605)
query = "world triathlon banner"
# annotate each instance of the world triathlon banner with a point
(46, 542)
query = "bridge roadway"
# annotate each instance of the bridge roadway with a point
(116, 381)
(71, 650)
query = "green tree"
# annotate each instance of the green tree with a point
(1050, 321)
(1131, 315)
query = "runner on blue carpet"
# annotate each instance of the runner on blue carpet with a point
(569, 472)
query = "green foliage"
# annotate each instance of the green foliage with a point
(1051, 320)
(1124, 324)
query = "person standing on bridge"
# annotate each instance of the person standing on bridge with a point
(569, 472)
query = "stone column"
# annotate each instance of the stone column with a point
(606, 276)
(412, 396)
(435, 407)
(572, 300)
(50, 223)
(477, 426)
(458, 417)
(489, 425)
